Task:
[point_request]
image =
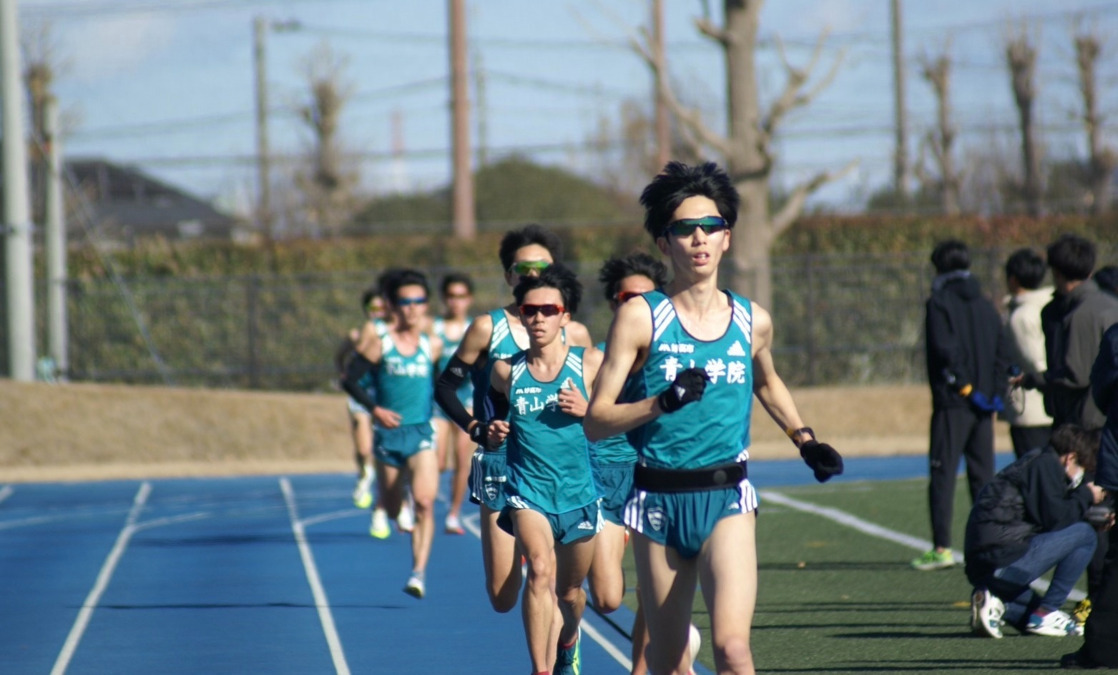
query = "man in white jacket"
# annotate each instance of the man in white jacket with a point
(1029, 425)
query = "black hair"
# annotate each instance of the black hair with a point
(405, 277)
(557, 276)
(950, 256)
(615, 270)
(1069, 438)
(514, 240)
(1072, 256)
(1027, 267)
(456, 278)
(677, 182)
(1107, 279)
(385, 280)
(367, 297)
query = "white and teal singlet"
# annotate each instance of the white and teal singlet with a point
(715, 429)
(549, 457)
(438, 327)
(405, 383)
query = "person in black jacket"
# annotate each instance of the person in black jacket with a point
(1028, 520)
(968, 363)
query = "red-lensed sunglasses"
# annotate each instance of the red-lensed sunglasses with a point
(547, 310)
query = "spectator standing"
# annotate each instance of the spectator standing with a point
(967, 358)
(1030, 426)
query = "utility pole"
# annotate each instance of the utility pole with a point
(463, 213)
(263, 159)
(663, 129)
(482, 112)
(18, 251)
(55, 242)
(900, 153)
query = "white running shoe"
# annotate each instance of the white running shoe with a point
(694, 642)
(379, 526)
(415, 586)
(406, 520)
(1054, 624)
(986, 611)
(363, 491)
(453, 524)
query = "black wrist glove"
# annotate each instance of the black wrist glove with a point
(822, 458)
(479, 434)
(687, 387)
(1032, 381)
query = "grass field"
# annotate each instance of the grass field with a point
(833, 599)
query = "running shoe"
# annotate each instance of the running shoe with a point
(363, 491)
(415, 586)
(453, 524)
(1082, 611)
(934, 560)
(568, 661)
(986, 611)
(379, 527)
(694, 642)
(405, 522)
(1053, 624)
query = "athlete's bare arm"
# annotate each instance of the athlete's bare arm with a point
(767, 384)
(475, 343)
(571, 400)
(630, 335)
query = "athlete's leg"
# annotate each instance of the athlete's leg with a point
(639, 639)
(607, 579)
(443, 439)
(572, 563)
(501, 561)
(463, 450)
(533, 535)
(667, 586)
(424, 486)
(390, 488)
(728, 572)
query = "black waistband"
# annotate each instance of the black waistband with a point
(689, 480)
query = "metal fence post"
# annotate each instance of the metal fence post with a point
(252, 291)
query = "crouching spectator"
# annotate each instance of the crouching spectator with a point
(1026, 521)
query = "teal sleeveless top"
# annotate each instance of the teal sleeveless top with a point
(405, 384)
(715, 429)
(549, 458)
(501, 346)
(616, 449)
(466, 389)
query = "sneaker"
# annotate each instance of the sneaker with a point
(933, 560)
(453, 524)
(694, 642)
(415, 586)
(1082, 611)
(363, 491)
(405, 522)
(986, 611)
(568, 660)
(1053, 624)
(379, 527)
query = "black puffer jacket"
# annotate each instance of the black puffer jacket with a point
(1026, 498)
(965, 342)
(1104, 387)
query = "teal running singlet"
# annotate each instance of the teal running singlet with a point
(501, 346)
(466, 389)
(405, 383)
(549, 458)
(715, 429)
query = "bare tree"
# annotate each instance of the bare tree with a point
(1103, 159)
(748, 144)
(1020, 56)
(940, 141)
(328, 183)
(41, 65)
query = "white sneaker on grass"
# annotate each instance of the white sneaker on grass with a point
(1053, 624)
(986, 611)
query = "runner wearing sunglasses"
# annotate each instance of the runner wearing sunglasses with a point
(552, 501)
(698, 355)
(496, 335)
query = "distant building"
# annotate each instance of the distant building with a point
(122, 205)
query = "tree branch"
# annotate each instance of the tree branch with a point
(795, 204)
(793, 95)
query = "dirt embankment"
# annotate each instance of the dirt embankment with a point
(91, 431)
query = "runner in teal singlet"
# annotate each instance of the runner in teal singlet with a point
(699, 355)
(497, 334)
(452, 443)
(552, 500)
(403, 362)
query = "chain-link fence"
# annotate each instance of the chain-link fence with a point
(839, 319)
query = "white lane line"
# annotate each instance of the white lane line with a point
(6, 492)
(335, 515)
(102, 583)
(872, 529)
(320, 599)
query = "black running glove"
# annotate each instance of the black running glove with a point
(687, 387)
(822, 458)
(479, 434)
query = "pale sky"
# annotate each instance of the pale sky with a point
(168, 84)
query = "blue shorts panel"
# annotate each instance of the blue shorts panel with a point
(566, 527)
(684, 520)
(395, 446)
(488, 474)
(615, 482)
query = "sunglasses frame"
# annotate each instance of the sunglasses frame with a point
(529, 311)
(530, 266)
(406, 302)
(708, 224)
(625, 296)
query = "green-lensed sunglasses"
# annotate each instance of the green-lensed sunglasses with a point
(685, 227)
(525, 267)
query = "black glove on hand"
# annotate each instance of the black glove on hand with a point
(822, 458)
(687, 387)
(479, 434)
(1032, 381)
